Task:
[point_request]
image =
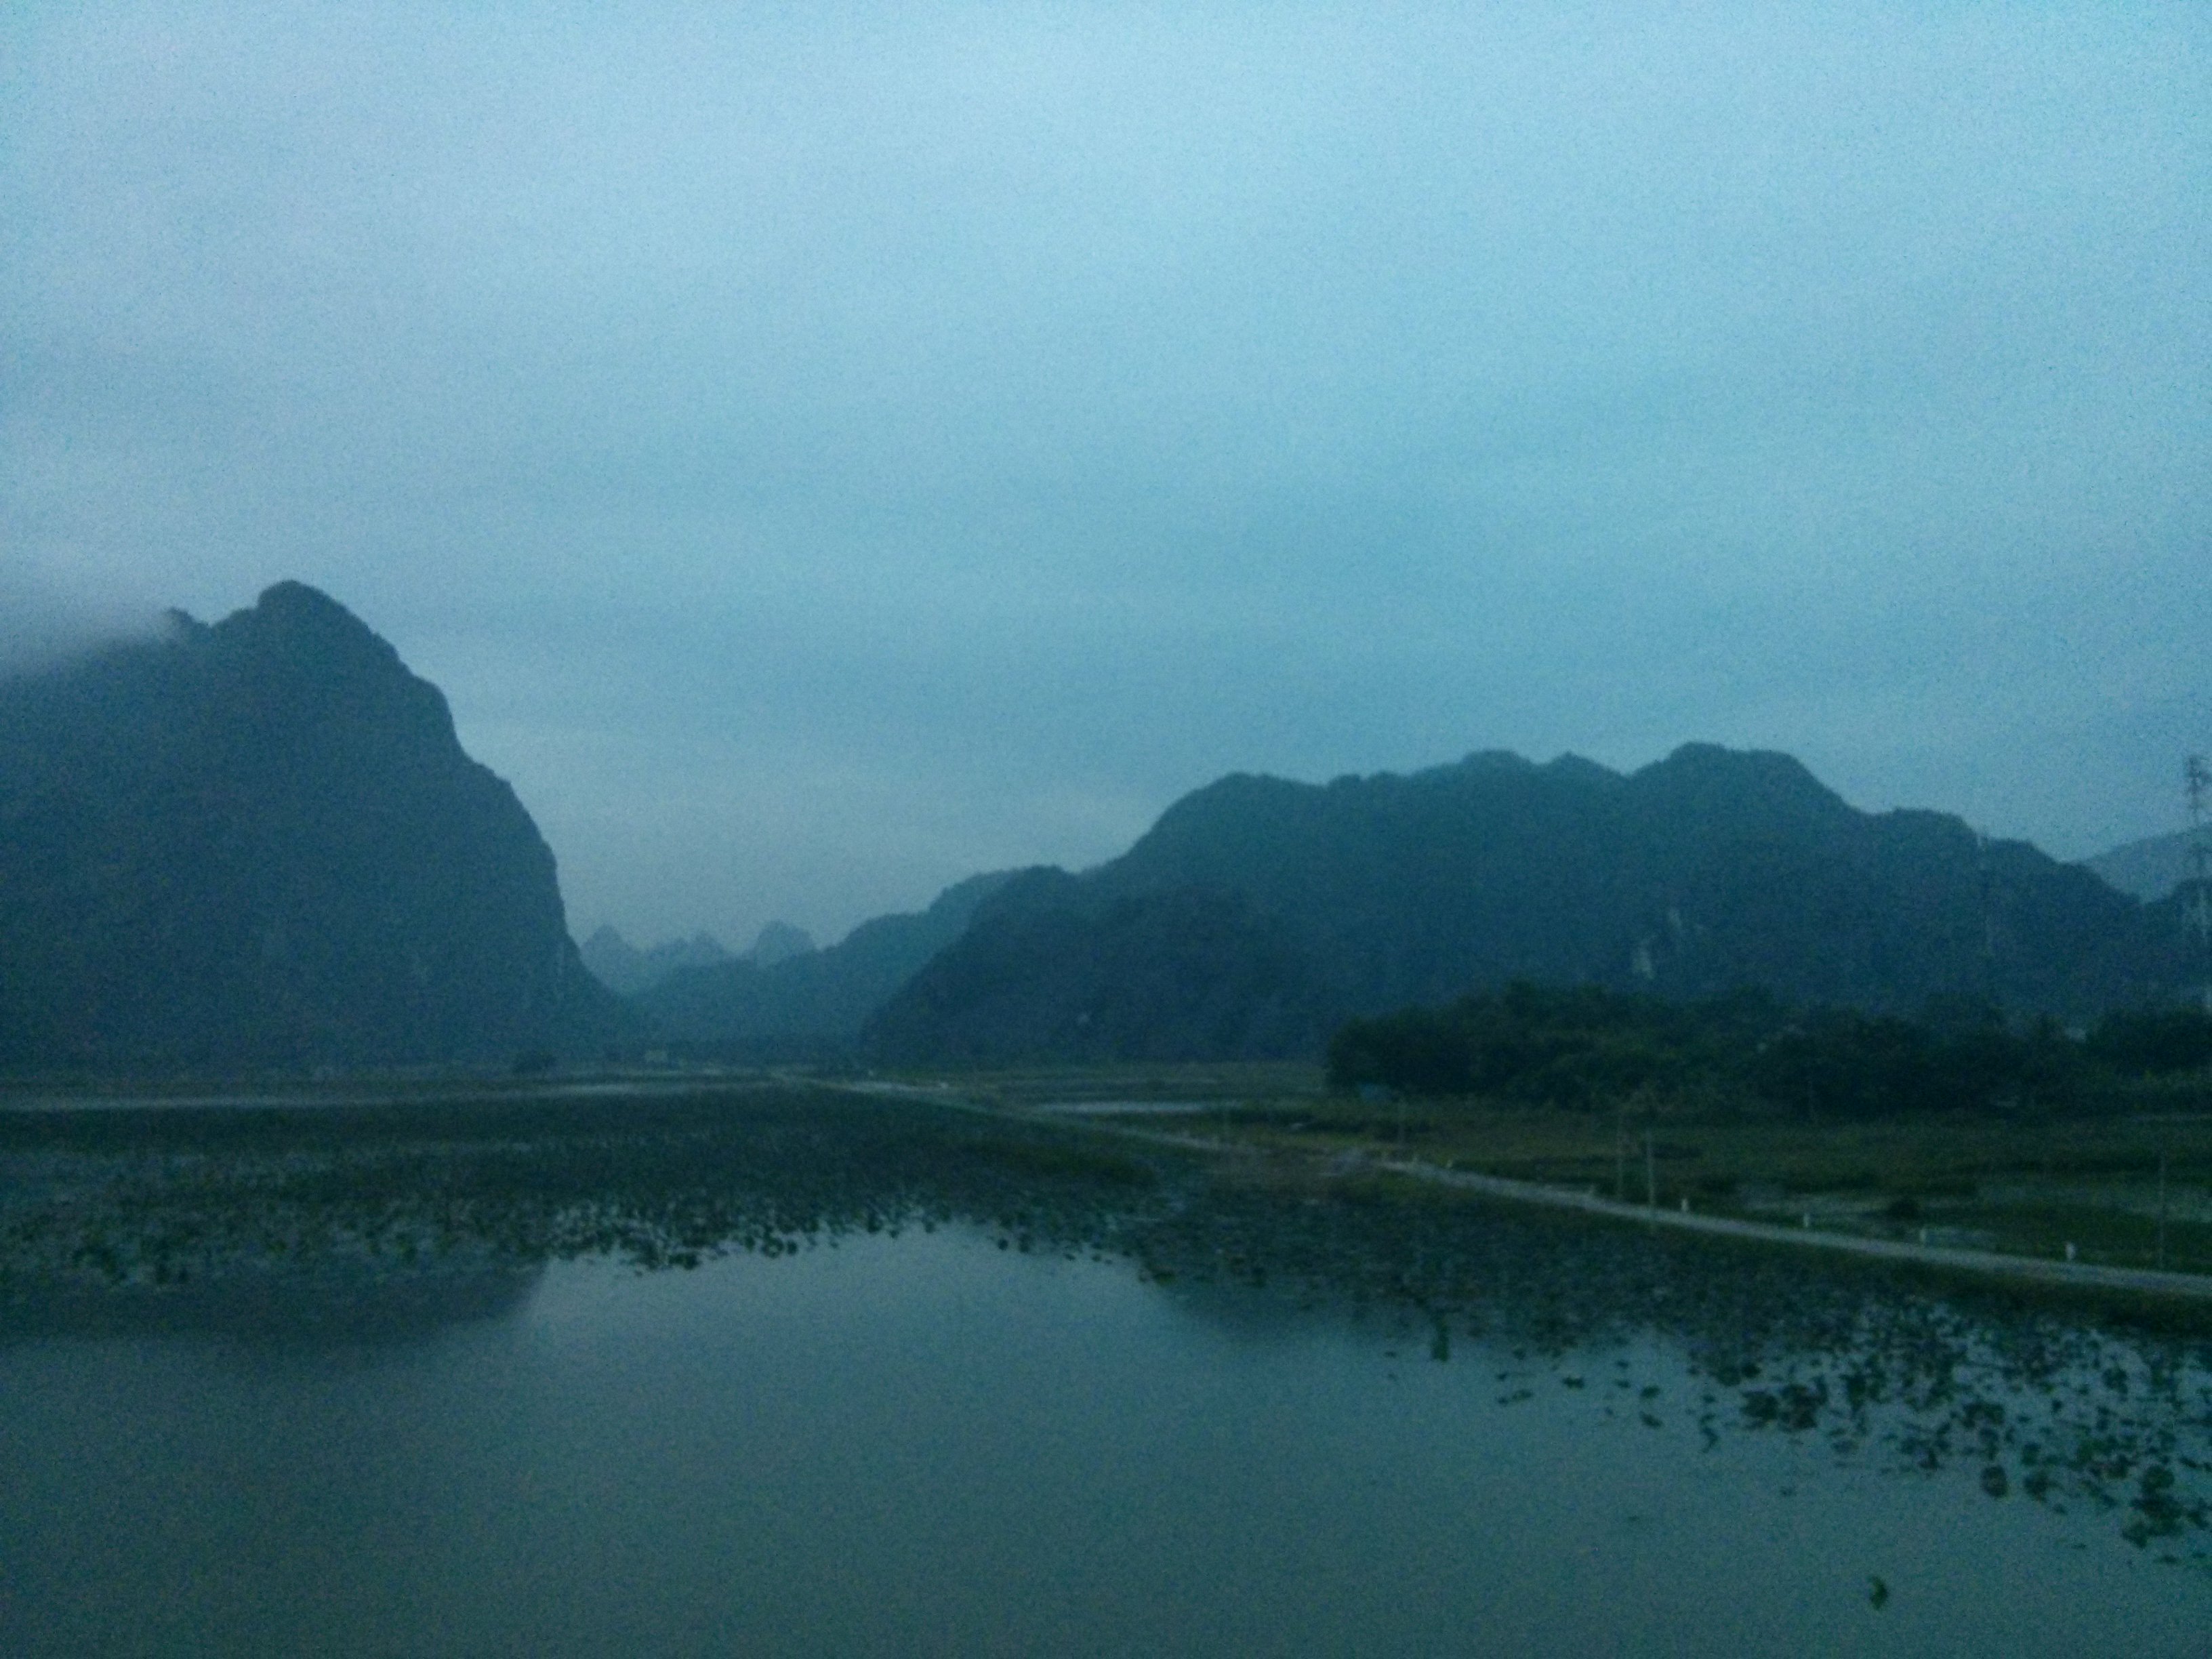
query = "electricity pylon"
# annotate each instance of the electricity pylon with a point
(2197, 906)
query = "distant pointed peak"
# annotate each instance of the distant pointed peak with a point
(1701, 766)
(1718, 758)
(294, 605)
(1495, 760)
(1568, 765)
(779, 942)
(299, 620)
(290, 592)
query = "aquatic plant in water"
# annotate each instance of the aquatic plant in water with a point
(2058, 1404)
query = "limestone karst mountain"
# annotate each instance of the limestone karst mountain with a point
(631, 972)
(779, 942)
(2149, 869)
(259, 844)
(627, 971)
(811, 1002)
(1258, 914)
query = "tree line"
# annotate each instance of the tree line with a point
(1583, 1046)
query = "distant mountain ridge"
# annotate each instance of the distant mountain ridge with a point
(779, 942)
(627, 971)
(813, 1001)
(260, 843)
(1257, 914)
(2148, 869)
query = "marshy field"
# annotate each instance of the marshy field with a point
(801, 1363)
(2127, 1184)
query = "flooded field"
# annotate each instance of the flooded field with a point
(783, 1371)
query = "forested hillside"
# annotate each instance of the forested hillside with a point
(1258, 914)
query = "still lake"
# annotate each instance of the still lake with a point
(869, 1406)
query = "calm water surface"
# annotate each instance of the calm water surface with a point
(927, 1442)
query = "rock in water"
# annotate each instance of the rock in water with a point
(259, 844)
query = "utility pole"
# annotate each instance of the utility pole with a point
(2161, 1209)
(2196, 908)
(1986, 887)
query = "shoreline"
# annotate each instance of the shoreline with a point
(2041, 1270)
(1091, 1117)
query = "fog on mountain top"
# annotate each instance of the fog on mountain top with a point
(954, 828)
(824, 456)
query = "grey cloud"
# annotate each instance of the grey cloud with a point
(822, 451)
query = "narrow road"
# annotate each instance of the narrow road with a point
(1994, 1264)
(2146, 1280)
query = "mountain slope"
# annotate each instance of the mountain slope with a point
(2147, 870)
(627, 971)
(815, 998)
(1709, 869)
(260, 843)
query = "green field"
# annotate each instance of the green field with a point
(2022, 1184)
(2025, 1183)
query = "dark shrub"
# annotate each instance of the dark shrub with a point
(2152, 1040)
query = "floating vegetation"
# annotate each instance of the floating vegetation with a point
(2029, 1396)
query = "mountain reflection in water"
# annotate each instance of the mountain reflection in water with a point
(393, 1225)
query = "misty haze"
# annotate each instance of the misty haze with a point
(1079, 831)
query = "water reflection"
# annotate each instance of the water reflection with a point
(295, 1304)
(389, 1223)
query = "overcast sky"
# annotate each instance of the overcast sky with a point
(822, 452)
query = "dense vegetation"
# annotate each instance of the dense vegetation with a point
(1585, 1046)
